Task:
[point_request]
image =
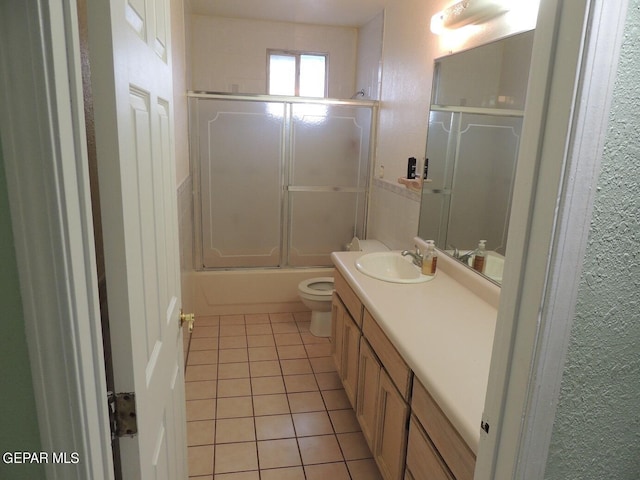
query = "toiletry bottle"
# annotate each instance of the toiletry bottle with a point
(430, 259)
(478, 260)
(411, 167)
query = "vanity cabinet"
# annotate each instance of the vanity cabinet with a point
(383, 395)
(409, 436)
(382, 413)
(345, 328)
(433, 423)
(375, 378)
(368, 383)
(390, 443)
(423, 459)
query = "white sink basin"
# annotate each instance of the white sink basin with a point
(391, 267)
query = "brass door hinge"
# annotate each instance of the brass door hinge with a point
(122, 414)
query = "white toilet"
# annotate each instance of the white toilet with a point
(316, 293)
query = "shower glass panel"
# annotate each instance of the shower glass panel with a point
(240, 150)
(328, 177)
(471, 169)
(437, 188)
(280, 182)
(483, 180)
(321, 223)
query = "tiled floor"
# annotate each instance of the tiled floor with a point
(264, 402)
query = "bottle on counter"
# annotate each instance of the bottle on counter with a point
(430, 259)
(479, 258)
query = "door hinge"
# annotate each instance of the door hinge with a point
(484, 426)
(122, 414)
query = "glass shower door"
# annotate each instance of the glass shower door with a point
(486, 157)
(436, 190)
(471, 172)
(240, 151)
(327, 180)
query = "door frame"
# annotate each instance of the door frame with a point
(43, 138)
(575, 57)
(44, 143)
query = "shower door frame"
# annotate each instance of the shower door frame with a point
(286, 163)
(452, 161)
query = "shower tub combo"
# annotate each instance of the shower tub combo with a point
(279, 183)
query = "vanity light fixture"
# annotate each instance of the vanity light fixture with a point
(467, 12)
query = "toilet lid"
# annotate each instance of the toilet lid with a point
(317, 286)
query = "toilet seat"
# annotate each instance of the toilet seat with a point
(316, 294)
(319, 287)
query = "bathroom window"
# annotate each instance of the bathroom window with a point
(297, 74)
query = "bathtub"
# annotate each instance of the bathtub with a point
(228, 292)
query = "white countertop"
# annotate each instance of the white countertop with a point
(442, 329)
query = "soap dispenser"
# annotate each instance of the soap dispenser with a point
(478, 260)
(430, 260)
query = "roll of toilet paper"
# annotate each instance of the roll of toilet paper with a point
(366, 246)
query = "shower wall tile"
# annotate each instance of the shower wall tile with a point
(393, 214)
(369, 67)
(230, 53)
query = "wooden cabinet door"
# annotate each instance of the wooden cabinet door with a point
(448, 442)
(337, 326)
(423, 460)
(368, 385)
(350, 354)
(391, 437)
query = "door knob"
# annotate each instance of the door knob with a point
(189, 318)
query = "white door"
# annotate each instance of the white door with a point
(129, 44)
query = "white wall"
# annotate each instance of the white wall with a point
(409, 50)
(368, 69)
(227, 52)
(403, 76)
(179, 66)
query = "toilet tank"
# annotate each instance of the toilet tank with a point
(366, 246)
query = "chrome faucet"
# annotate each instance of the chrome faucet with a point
(417, 256)
(464, 257)
(467, 256)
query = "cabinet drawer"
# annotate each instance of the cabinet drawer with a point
(393, 363)
(423, 461)
(349, 298)
(453, 449)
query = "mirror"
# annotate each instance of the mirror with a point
(475, 125)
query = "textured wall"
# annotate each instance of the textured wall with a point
(597, 428)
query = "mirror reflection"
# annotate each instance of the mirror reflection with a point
(475, 125)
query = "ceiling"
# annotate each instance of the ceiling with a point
(351, 13)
